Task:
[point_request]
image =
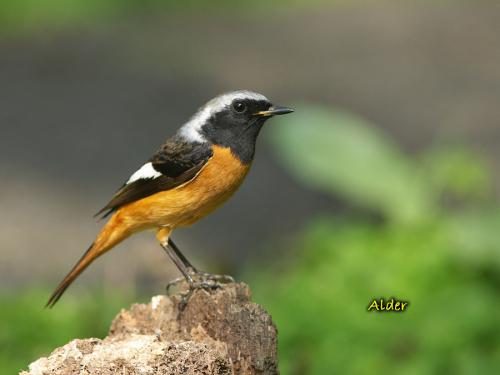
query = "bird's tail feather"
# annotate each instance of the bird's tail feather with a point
(84, 261)
(111, 235)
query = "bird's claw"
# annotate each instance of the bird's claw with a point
(174, 282)
(221, 279)
(201, 280)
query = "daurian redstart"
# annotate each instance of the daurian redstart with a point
(192, 173)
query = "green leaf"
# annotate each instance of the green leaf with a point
(344, 155)
(458, 172)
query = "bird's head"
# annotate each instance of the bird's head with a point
(233, 119)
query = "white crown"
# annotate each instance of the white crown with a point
(191, 129)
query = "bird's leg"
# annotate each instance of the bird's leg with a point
(187, 270)
(202, 276)
(181, 257)
(195, 279)
(182, 264)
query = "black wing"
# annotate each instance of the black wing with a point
(176, 162)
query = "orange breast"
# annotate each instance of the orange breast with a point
(215, 183)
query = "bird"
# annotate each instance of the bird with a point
(195, 170)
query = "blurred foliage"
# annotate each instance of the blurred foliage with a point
(437, 246)
(458, 173)
(32, 14)
(341, 153)
(28, 331)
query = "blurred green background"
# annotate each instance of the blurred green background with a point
(384, 183)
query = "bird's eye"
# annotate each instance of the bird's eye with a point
(239, 107)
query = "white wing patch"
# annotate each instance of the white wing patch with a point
(191, 129)
(145, 172)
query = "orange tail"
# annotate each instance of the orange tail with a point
(113, 233)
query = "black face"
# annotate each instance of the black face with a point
(237, 126)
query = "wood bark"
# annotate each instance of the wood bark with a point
(210, 332)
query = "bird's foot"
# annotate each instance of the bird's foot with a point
(175, 282)
(208, 281)
(201, 280)
(210, 278)
(198, 280)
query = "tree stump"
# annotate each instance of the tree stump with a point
(213, 332)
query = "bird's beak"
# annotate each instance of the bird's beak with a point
(274, 111)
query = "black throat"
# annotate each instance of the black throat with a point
(241, 140)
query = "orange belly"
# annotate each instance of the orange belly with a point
(187, 203)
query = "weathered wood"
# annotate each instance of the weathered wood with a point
(214, 332)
